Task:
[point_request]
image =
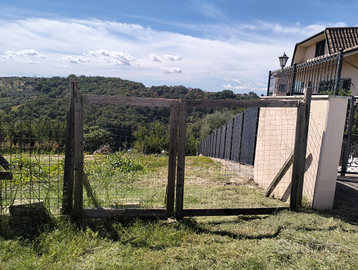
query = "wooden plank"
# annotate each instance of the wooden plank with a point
(68, 176)
(132, 101)
(78, 201)
(174, 120)
(102, 212)
(132, 213)
(281, 173)
(298, 169)
(215, 103)
(5, 176)
(181, 159)
(232, 211)
(145, 213)
(4, 163)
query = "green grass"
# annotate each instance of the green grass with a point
(286, 240)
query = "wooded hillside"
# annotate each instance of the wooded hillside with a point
(23, 98)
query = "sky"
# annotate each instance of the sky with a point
(208, 44)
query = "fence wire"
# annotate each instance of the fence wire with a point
(126, 162)
(32, 159)
(231, 181)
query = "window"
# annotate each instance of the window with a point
(320, 46)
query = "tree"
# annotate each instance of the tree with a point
(213, 121)
(95, 137)
(152, 138)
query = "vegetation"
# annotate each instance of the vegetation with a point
(24, 98)
(285, 240)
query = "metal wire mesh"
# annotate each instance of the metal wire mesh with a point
(33, 158)
(127, 167)
(231, 181)
(227, 179)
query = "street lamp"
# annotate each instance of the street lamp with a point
(283, 60)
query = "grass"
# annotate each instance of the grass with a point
(286, 240)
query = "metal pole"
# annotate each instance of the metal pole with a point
(268, 84)
(338, 72)
(293, 79)
(347, 145)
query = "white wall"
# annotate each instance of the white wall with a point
(275, 142)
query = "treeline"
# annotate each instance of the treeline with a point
(48, 98)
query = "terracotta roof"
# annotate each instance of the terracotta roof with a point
(341, 37)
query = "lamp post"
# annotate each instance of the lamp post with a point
(283, 60)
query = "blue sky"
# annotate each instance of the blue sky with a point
(211, 45)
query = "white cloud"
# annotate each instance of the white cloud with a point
(172, 57)
(154, 58)
(74, 60)
(113, 57)
(22, 55)
(228, 86)
(108, 48)
(60, 66)
(171, 70)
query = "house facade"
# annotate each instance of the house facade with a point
(326, 62)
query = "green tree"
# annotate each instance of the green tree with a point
(95, 137)
(152, 138)
(213, 121)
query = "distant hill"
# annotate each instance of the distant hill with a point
(48, 98)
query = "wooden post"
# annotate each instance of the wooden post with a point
(170, 194)
(78, 202)
(298, 169)
(181, 160)
(68, 177)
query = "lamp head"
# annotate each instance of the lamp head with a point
(283, 60)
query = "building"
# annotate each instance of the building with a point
(327, 62)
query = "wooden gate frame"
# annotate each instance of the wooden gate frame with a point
(176, 165)
(302, 123)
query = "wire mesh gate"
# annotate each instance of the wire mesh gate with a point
(349, 154)
(174, 186)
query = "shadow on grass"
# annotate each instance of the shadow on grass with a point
(194, 226)
(27, 231)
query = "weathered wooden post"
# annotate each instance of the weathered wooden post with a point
(79, 148)
(298, 169)
(68, 177)
(170, 194)
(181, 160)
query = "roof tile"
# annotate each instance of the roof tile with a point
(341, 37)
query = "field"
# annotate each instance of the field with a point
(286, 240)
